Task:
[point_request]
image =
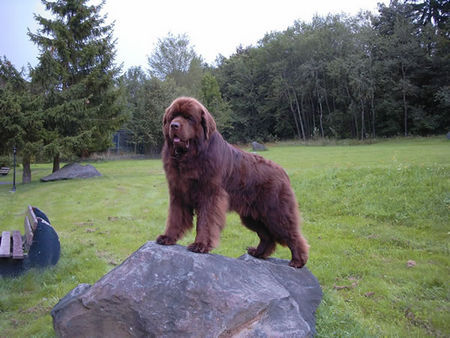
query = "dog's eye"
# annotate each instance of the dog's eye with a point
(191, 119)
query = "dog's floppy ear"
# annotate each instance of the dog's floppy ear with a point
(208, 123)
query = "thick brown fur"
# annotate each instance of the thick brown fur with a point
(207, 176)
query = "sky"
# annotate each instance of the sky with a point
(213, 27)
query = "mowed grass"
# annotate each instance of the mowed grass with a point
(367, 210)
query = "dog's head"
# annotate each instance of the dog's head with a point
(186, 124)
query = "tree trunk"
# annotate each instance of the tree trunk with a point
(319, 101)
(353, 106)
(372, 107)
(405, 111)
(26, 174)
(405, 106)
(300, 116)
(363, 130)
(55, 163)
(305, 118)
(321, 118)
(313, 115)
(293, 112)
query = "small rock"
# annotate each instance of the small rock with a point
(410, 264)
(258, 146)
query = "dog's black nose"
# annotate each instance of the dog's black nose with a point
(175, 125)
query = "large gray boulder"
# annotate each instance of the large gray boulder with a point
(72, 170)
(168, 291)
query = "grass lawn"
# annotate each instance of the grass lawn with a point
(367, 209)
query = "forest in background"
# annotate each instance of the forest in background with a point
(366, 76)
(371, 75)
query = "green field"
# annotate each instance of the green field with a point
(368, 209)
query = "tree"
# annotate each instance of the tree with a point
(146, 100)
(174, 58)
(76, 78)
(434, 12)
(238, 78)
(211, 97)
(402, 58)
(20, 117)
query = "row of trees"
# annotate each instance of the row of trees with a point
(337, 76)
(343, 77)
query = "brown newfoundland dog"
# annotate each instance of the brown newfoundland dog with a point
(207, 176)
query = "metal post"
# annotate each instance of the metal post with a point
(118, 142)
(14, 173)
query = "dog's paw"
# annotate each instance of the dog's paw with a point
(199, 247)
(165, 240)
(297, 263)
(253, 252)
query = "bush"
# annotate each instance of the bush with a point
(6, 161)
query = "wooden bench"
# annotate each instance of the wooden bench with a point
(12, 244)
(4, 171)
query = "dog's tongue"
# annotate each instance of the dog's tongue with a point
(177, 142)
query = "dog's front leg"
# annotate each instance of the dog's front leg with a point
(211, 215)
(179, 221)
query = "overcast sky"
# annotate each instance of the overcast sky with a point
(214, 27)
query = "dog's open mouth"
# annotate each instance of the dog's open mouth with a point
(181, 146)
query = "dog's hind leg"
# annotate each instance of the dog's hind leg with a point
(284, 227)
(266, 245)
(299, 249)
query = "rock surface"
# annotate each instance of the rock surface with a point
(258, 146)
(72, 170)
(169, 291)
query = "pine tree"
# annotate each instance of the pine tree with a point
(20, 117)
(76, 75)
(211, 97)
